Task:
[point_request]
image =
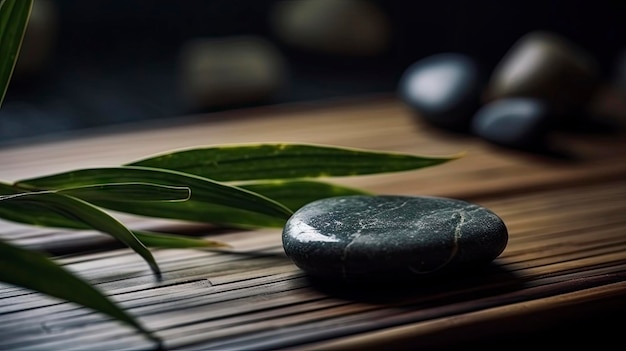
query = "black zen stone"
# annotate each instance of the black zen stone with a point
(514, 122)
(444, 89)
(391, 238)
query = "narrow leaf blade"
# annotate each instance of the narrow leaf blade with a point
(14, 16)
(129, 192)
(297, 193)
(283, 160)
(190, 210)
(171, 241)
(203, 190)
(28, 213)
(198, 211)
(291, 193)
(35, 271)
(91, 216)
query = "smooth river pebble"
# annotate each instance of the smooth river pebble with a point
(444, 89)
(547, 66)
(391, 238)
(515, 122)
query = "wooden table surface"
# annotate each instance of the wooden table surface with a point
(565, 260)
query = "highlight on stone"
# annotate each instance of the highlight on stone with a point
(391, 238)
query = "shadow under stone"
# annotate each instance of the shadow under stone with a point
(449, 287)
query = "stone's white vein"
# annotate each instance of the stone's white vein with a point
(306, 233)
(391, 209)
(353, 238)
(370, 222)
(344, 256)
(457, 236)
(455, 244)
(364, 223)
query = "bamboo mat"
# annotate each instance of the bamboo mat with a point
(565, 260)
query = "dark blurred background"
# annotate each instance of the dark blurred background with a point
(92, 63)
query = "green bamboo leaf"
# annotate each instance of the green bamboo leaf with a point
(14, 16)
(129, 192)
(198, 211)
(35, 271)
(92, 216)
(32, 214)
(171, 241)
(203, 191)
(297, 193)
(280, 161)
(28, 213)
(291, 193)
(36, 215)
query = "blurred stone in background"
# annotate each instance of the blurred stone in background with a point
(39, 40)
(544, 83)
(518, 122)
(338, 27)
(230, 71)
(545, 65)
(108, 62)
(444, 89)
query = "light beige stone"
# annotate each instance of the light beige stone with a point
(230, 71)
(341, 27)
